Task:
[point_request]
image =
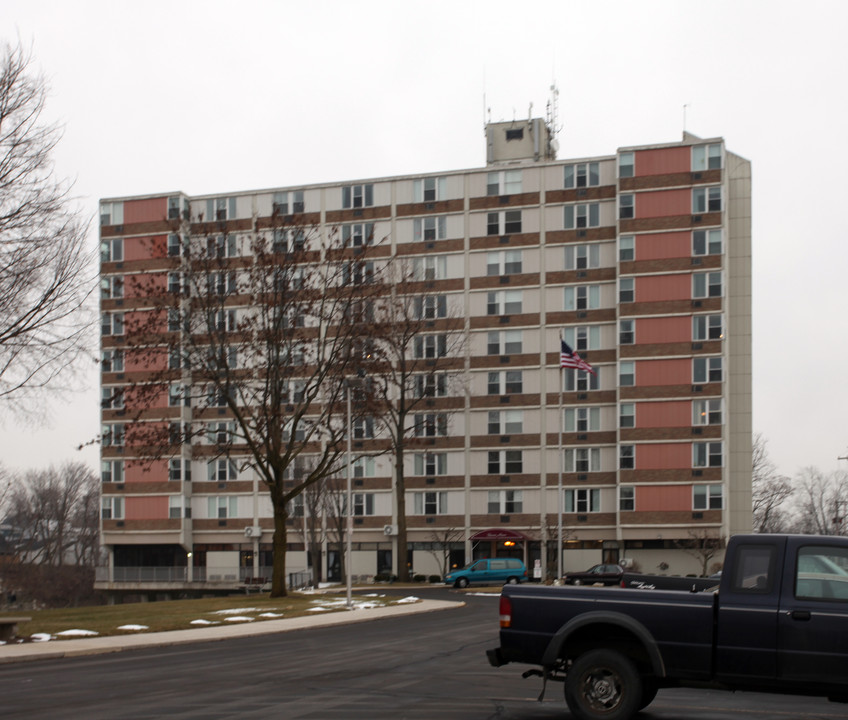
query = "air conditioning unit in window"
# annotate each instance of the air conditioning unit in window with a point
(253, 531)
(390, 530)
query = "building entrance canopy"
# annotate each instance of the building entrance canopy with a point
(498, 534)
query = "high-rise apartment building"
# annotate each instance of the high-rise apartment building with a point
(639, 260)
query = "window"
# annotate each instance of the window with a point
(295, 507)
(583, 297)
(435, 385)
(177, 208)
(707, 370)
(112, 435)
(223, 507)
(503, 262)
(173, 320)
(178, 396)
(505, 462)
(583, 337)
(112, 213)
(357, 234)
(706, 285)
(706, 200)
(505, 422)
(822, 573)
(707, 454)
(357, 272)
(504, 302)
(429, 228)
(220, 433)
(583, 381)
(582, 419)
(175, 282)
(112, 508)
(505, 222)
(626, 206)
(221, 246)
(111, 287)
(581, 175)
(707, 497)
(176, 245)
(179, 469)
(582, 460)
(627, 457)
(430, 346)
(505, 382)
(503, 182)
(626, 165)
(221, 283)
(357, 196)
(582, 500)
(430, 503)
(112, 360)
(112, 250)
(430, 307)
(626, 498)
(626, 290)
(363, 467)
(220, 209)
(285, 241)
(505, 502)
(363, 428)
(627, 415)
(626, 248)
(430, 424)
(582, 257)
(289, 202)
(431, 463)
(221, 470)
(112, 324)
(429, 189)
(112, 471)
(706, 412)
(430, 267)
(627, 373)
(175, 360)
(363, 504)
(626, 332)
(707, 327)
(582, 216)
(175, 507)
(706, 157)
(503, 342)
(112, 398)
(706, 242)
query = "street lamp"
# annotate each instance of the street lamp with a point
(349, 501)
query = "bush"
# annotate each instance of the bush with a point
(419, 578)
(434, 579)
(385, 577)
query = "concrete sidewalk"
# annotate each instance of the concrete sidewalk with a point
(23, 652)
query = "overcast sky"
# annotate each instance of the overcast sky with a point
(209, 97)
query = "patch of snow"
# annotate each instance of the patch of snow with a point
(237, 611)
(133, 627)
(317, 609)
(479, 594)
(41, 637)
(204, 622)
(77, 633)
(271, 615)
(407, 600)
(239, 618)
(365, 605)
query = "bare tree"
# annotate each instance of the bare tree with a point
(703, 545)
(442, 542)
(258, 342)
(771, 491)
(822, 502)
(418, 349)
(46, 274)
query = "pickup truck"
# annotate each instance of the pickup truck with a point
(776, 622)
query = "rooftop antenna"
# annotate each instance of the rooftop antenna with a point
(553, 119)
(685, 105)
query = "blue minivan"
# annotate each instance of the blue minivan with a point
(489, 570)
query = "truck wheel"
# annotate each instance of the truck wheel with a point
(512, 581)
(461, 583)
(650, 688)
(603, 685)
(577, 581)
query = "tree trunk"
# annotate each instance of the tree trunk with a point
(400, 487)
(278, 575)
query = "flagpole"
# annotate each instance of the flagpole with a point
(559, 477)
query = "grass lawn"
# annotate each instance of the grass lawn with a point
(179, 614)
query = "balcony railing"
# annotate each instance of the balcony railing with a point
(231, 576)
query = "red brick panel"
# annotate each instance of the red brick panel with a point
(658, 288)
(144, 508)
(659, 246)
(662, 161)
(142, 285)
(663, 372)
(673, 414)
(663, 456)
(663, 330)
(136, 211)
(142, 248)
(662, 203)
(669, 497)
(146, 472)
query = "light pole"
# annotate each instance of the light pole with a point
(349, 503)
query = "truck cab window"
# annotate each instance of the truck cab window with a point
(754, 571)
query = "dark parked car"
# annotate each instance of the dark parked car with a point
(603, 574)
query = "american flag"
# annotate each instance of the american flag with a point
(569, 358)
